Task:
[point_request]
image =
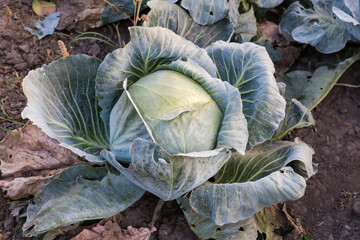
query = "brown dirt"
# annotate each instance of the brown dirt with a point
(330, 207)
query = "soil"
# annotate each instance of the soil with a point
(330, 208)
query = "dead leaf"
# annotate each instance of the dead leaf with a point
(79, 14)
(288, 56)
(28, 159)
(112, 231)
(271, 32)
(43, 8)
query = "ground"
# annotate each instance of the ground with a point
(330, 208)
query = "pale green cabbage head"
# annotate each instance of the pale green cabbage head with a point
(177, 109)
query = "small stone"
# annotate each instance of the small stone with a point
(351, 132)
(343, 110)
(355, 209)
(9, 224)
(25, 48)
(357, 129)
(20, 66)
(94, 50)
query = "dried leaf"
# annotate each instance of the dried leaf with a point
(288, 56)
(79, 14)
(112, 231)
(271, 32)
(43, 8)
(29, 159)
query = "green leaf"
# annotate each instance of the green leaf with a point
(311, 88)
(319, 26)
(148, 48)
(125, 126)
(233, 132)
(175, 18)
(269, 173)
(205, 228)
(267, 3)
(119, 10)
(249, 68)
(168, 176)
(206, 12)
(61, 101)
(296, 116)
(80, 193)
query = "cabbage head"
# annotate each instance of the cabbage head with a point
(166, 116)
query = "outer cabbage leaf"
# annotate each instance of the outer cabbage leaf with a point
(233, 132)
(168, 176)
(311, 88)
(175, 18)
(148, 48)
(80, 193)
(248, 67)
(205, 228)
(125, 126)
(206, 12)
(62, 102)
(318, 27)
(348, 11)
(267, 3)
(269, 173)
(296, 116)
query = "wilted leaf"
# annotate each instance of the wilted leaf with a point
(271, 32)
(45, 27)
(80, 14)
(43, 8)
(112, 231)
(288, 56)
(29, 159)
(270, 219)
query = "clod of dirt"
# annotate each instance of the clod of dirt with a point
(29, 158)
(94, 50)
(13, 57)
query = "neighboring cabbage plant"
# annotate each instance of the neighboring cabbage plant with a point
(166, 116)
(200, 21)
(327, 26)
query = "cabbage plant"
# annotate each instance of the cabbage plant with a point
(327, 26)
(166, 116)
